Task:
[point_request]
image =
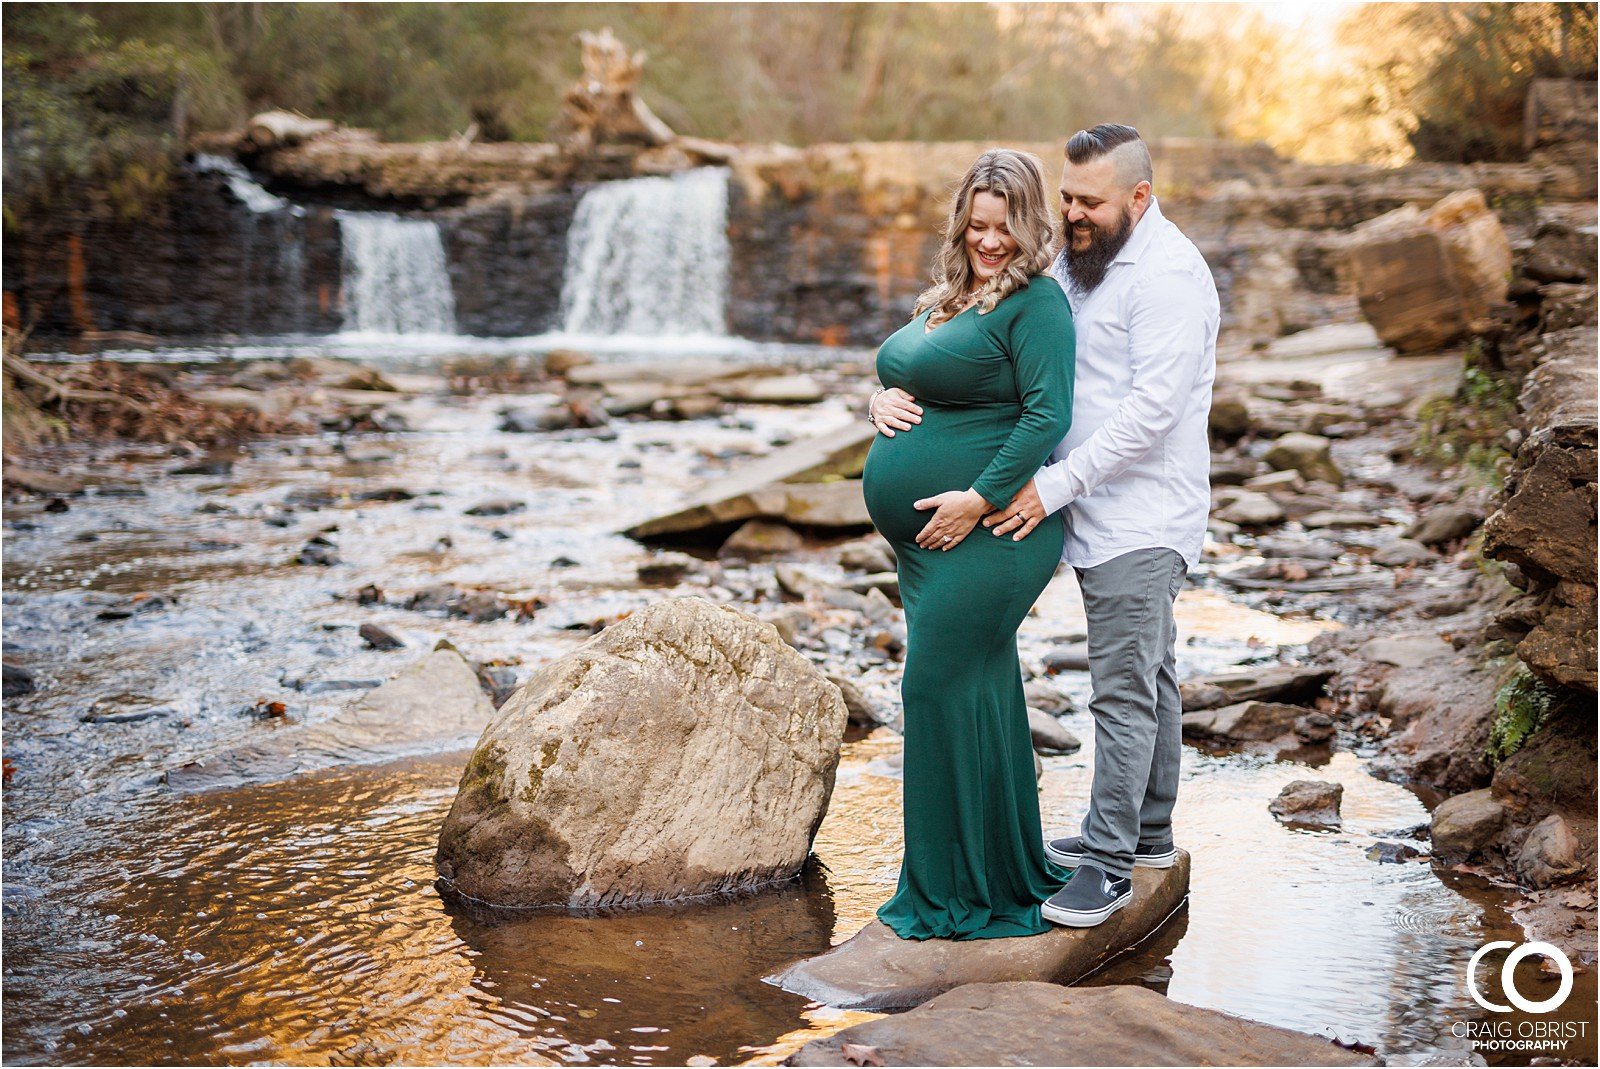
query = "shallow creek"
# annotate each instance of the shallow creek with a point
(297, 921)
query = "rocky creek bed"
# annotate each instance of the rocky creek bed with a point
(221, 819)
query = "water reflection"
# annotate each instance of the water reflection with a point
(659, 985)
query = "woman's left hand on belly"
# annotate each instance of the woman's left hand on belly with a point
(956, 513)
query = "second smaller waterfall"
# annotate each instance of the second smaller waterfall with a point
(649, 257)
(395, 279)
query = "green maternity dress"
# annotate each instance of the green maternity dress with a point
(996, 397)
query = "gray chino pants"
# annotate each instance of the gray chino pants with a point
(1137, 712)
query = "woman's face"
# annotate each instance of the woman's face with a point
(990, 245)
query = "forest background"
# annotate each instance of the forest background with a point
(100, 98)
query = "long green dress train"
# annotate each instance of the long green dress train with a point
(996, 397)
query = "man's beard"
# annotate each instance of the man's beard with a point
(1086, 268)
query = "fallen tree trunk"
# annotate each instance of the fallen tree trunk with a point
(59, 393)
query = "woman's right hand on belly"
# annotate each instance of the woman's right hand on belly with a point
(894, 410)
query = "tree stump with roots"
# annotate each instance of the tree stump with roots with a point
(603, 106)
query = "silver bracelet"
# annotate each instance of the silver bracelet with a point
(870, 400)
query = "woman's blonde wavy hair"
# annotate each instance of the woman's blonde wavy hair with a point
(1019, 178)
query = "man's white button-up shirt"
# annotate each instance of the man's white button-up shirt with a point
(1134, 472)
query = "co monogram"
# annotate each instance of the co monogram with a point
(1508, 979)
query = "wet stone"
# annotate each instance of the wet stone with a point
(331, 686)
(499, 681)
(755, 539)
(1392, 853)
(1466, 825)
(380, 638)
(1308, 803)
(666, 569)
(1069, 658)
(1197, 696)
(112, 711)
(18, 681)
(867, 555)
(480, 607)
(436, 598)
(1341, 519)
(1243, 722)
(318, 551)
(1403, 552)
(1049, 737)
(1032, 1023)
(386, 493)
(1247, 508)
(136, 605)
(1445, 524)
(877, 970)
(860, 711)
(314, 497)
(209, 466)
(1306, 454)
(498, 506)
(886, 582)
(1045, 696)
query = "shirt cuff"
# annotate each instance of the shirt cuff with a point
(1053, 487)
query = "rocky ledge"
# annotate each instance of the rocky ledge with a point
(877, 970)
(1044, 1024)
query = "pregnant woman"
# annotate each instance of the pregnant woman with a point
(989, 357)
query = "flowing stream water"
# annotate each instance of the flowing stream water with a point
(297, 921)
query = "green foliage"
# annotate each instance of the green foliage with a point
(101, 96)
(1521, 707)
(1468, 429)
(1452, 78)
(800, 73)
(92, 122)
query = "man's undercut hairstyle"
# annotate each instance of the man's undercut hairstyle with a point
(1122, 143)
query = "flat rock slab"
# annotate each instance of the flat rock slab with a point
(434, 705)
(877, 970)
(757, 489)
(1045, 1024)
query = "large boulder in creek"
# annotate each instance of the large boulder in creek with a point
(1047, 1024)
(684, 751)
(1425, 278)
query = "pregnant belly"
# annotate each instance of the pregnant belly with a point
(948, 450)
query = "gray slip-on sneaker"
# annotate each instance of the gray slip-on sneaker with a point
(1088, 898)
(1068, 853)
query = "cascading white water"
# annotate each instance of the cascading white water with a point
(248, 191)
(648, 257)
(394, 276)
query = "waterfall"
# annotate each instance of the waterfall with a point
(246, 189)
(649, 257)
(394, 275)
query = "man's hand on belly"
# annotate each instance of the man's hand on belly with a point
(893, 410)
(957, 514)
(1022, 515)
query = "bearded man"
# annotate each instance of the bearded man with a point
(1133, 475)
